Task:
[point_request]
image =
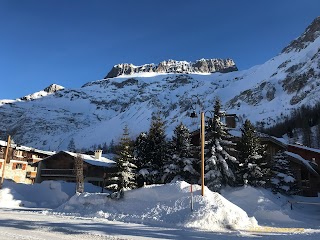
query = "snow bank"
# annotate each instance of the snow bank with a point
(7, 198)
(48, 194)
(166, 205)
(266, 207)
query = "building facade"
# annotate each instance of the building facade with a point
(18, 166)
(61, 166)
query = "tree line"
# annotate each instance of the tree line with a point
(299, 123)
(152, 158)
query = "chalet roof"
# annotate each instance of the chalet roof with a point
(25, 148)
(306, 148)
(102, 162)
(309, 165)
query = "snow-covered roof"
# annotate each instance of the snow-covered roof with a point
(303, 161)
(306, 148)
(25, 148)
(101, 162)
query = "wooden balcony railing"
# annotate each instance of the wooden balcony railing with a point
(58, 172)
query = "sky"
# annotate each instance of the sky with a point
(72, 42)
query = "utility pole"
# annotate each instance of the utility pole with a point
(202, 139)
(5, 161)
(202, 153)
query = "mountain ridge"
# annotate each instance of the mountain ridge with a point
(97, 112)
(173, 66)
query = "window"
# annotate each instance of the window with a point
(19, 166)
(18, 153)
(305, 182)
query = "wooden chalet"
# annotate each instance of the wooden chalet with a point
(61, 166)
(304, 161)
(19, 166)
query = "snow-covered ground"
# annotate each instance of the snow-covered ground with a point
(153, 212)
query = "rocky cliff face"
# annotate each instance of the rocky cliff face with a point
(173, 66)
(310, 35)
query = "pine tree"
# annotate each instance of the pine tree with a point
(126, 175)
(157, 152)
(141, 155)
(71, 145)
(254, 169)
(111, 147)
(181, 164)
(283, 179)
(219, 164)
(306, 135)
(317, 143)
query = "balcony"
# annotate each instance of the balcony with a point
(57, 173)
(31, 174)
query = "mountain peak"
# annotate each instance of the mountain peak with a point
(311, 33)
(53, 88)
(174, 66)
(48, 90)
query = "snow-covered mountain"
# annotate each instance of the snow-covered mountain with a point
(97, 112)
(45, 92)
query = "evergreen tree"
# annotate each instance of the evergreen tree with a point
(283, 179)
(181, 164)
(157, 152)
(111, 147)
(219, 164)
(254, 168)
(71, 146)
(105, 148)
(143, 161)
(126, 175)
(317, 143)
(306, 133)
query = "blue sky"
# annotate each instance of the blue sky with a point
(72, 42)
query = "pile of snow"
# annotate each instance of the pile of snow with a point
(7, 198)
(167, 205)
(275, 209)
(48, 194)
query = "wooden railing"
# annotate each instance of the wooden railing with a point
(58, 172)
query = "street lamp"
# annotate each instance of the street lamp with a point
(202, 137)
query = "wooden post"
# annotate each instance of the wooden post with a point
(202, 153)
(5, 161)
(78, 164)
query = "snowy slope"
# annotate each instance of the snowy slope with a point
(97, 112)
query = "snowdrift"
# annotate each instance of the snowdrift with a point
(275, 209)
(48, 194)
(166, 205)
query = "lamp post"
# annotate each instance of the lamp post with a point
(202, 137)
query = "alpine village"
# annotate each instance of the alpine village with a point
(202, 122)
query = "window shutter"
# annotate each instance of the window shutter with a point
(24, 166)
(0, 164)
(14, 166)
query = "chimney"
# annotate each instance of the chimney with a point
(97, 154)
